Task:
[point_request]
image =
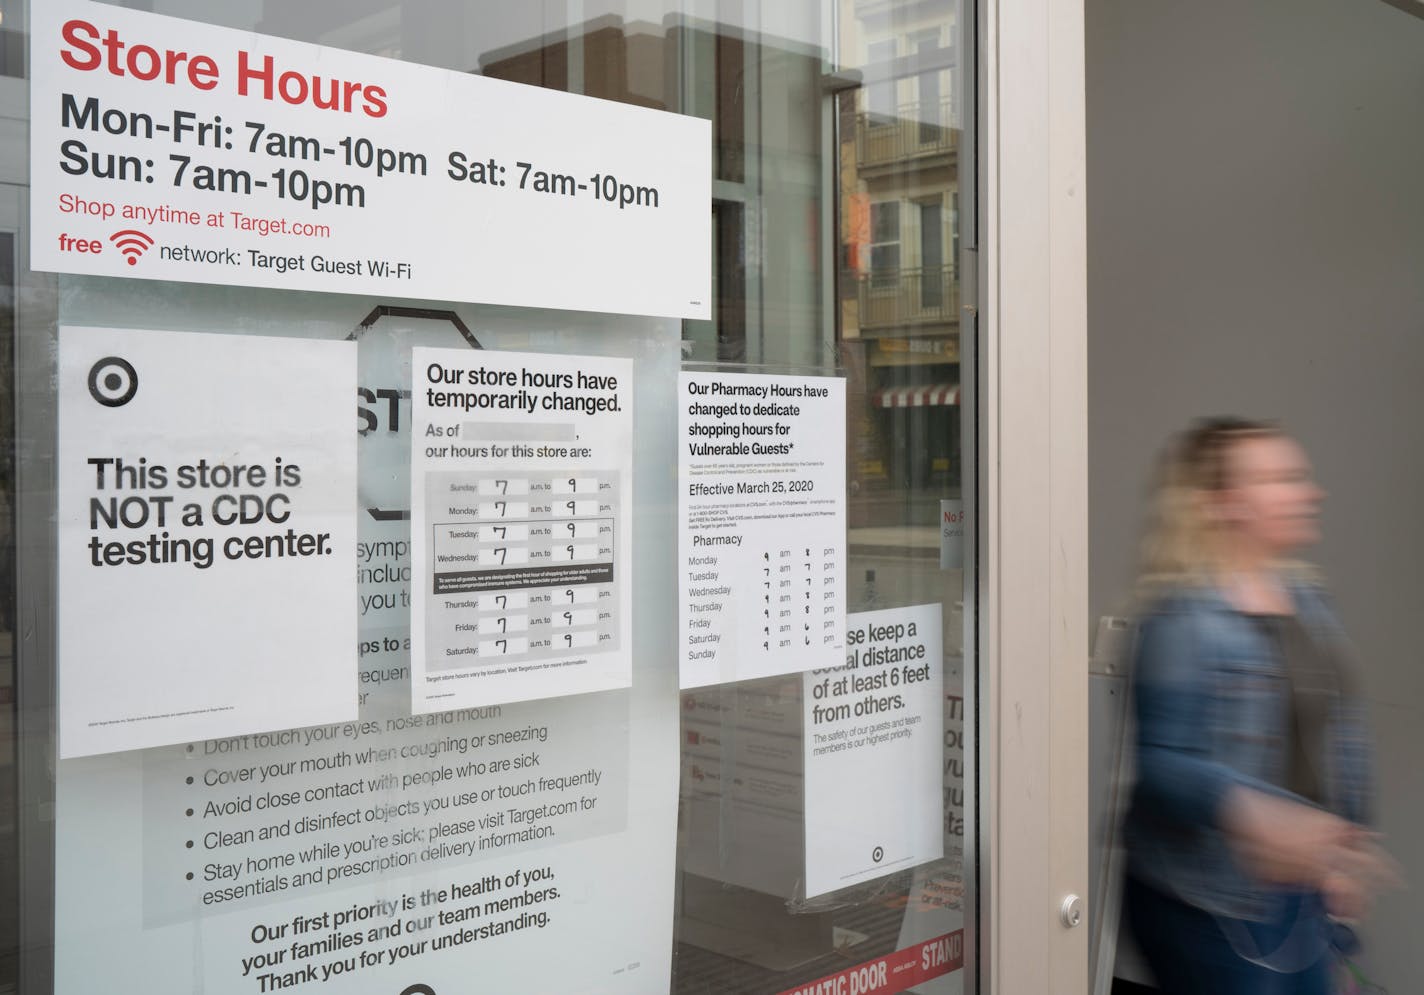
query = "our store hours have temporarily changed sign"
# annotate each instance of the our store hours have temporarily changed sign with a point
(167, 149)
(520, 526)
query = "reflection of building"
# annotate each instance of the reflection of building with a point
(768, 191)
(893, 142)
(899, 290)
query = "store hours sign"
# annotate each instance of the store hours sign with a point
(166, 149)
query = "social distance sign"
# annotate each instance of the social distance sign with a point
(173, 150)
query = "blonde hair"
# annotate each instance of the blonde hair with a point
(1183, 545)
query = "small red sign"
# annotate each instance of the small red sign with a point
(892, 973)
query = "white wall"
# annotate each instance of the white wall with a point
(1256, 246)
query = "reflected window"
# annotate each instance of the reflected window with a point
(880, 95)
(885, 244)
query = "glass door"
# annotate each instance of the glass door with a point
(815, 828)
(825, 837)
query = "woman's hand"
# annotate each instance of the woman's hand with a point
(1361, 871)
(1290, 843)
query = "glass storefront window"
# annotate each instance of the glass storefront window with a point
(838, 185)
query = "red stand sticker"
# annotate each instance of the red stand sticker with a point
(894, 972)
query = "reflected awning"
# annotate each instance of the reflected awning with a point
(928, 395)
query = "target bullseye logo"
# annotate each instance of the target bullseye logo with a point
(132, 243)
(113, 382)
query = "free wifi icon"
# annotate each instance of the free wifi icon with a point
(132, 243)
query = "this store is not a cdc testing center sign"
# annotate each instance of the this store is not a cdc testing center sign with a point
(167, 149)
(207, 528)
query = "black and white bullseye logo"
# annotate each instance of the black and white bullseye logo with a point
(113, 382)
(878, 854)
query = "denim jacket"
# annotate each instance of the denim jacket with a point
(1213, 707)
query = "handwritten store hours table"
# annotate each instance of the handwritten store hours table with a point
(524, 566)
